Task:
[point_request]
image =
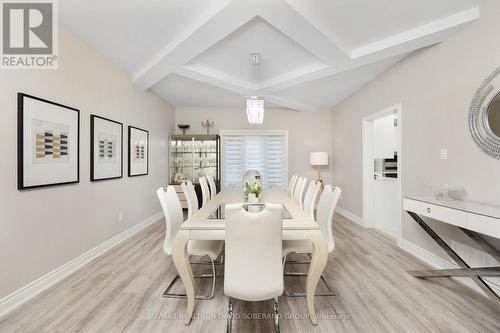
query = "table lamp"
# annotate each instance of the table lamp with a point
(318, 159)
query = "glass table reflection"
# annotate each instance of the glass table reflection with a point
(219, 212)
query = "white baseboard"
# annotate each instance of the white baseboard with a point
(22, 295)
(351, 216)
(440, 263)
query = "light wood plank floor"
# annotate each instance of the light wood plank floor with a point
(121, 292)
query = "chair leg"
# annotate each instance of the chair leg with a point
(276, 316)
(229, 319)
(331, 290)
(222, 255)
(168, 294)
(219, 262)
(298, 262)
(230, 316)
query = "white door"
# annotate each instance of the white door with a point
(382, 172)
(386, 206)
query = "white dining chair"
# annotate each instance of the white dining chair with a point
(213, 187)
(298, 192)
(173, 218)
(191, 198)
(253, 262)
(291, 185)
(205, 191)
(311, 196)
(326, 208)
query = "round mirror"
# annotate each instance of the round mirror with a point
(484, 115)
(493, 115)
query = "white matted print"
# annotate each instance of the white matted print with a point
(51, 142)
(48, 143)
(106, 139)
(138, 151)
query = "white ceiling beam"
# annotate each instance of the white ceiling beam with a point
(216, 79)
(289, 103)
(276, 84)
(240, 89)
(290, 76)
(218, 22)
(280, 83)
(293, 24)
(319, 24)
(424, 32)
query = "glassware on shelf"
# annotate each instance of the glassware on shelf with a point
(191, 155)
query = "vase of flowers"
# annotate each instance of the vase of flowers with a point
(253, 192)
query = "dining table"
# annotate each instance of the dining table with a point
(208, 224)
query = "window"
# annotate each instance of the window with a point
(265, 151)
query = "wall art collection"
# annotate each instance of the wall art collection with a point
(49, 145)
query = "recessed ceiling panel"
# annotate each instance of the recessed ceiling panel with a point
(231, 56)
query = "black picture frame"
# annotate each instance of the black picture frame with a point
(129, 157)
(20, 142)
(92, 136)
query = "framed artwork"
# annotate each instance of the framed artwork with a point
(48, 143)
(106, 148)
(138, 151)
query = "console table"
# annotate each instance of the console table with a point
(473, 219)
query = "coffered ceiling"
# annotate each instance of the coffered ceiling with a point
(314, 52)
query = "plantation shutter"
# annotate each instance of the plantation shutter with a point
(265, 153)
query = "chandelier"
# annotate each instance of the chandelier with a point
(255, 104)
(255, 110)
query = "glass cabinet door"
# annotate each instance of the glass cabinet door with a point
(194, 156)
(205, 158)
(181, 160)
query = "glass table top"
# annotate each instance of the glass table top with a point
(218, 213)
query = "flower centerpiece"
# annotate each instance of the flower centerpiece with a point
(253, 192)
(252, 186)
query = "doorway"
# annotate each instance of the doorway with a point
(382, 171)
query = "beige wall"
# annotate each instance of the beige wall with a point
(44, 228)
(307, 131)
(435, 87)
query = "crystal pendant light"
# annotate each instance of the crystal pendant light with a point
(255, 104)
(255, 110)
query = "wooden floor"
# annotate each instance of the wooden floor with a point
(121, 292)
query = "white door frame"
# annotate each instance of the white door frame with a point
(368, 164)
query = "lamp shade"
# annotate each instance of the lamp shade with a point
(319, 158)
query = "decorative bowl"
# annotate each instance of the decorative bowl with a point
(183, 127)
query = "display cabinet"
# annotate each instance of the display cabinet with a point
(193, 156)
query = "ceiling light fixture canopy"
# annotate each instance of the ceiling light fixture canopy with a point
(255, 58)
(255, 110)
